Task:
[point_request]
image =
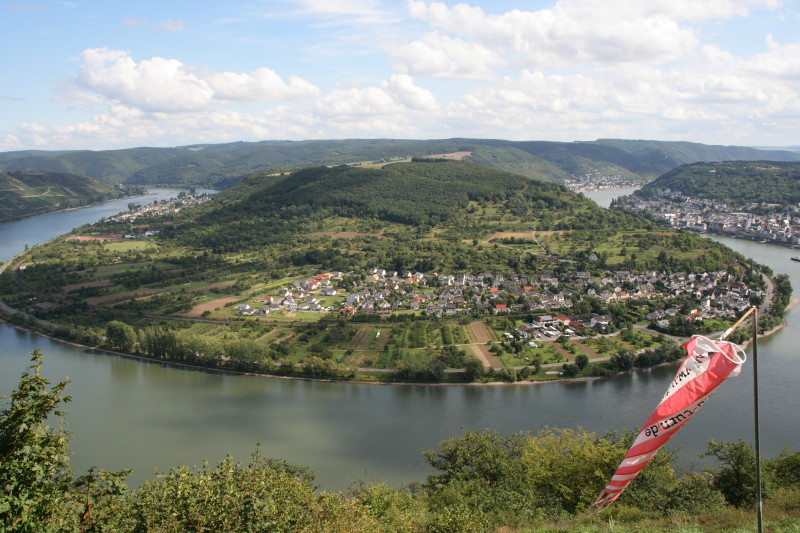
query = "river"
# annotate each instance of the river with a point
(129, 414)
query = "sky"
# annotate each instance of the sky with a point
(118, 74)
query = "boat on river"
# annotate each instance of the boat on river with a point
(795, 258)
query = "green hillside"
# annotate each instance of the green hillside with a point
(460, 200)
(733, 182)
(24, 194)
(221, 165)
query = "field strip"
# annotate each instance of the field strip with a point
(198, 310)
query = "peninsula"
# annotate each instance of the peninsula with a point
(424, 271)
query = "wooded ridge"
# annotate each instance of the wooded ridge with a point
(221, 165)
(734, 182)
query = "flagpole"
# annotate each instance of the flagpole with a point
(754, 311)
(759, 509)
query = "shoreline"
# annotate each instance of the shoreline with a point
(793, 303)
(67, 209)
(198, 368)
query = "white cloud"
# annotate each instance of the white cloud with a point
(134, 22)
(172, 25)
(782, 60)
(585, 31)
(580, 69)
(396, 96)
(24, 7)
(395, 107)
(169, 86)
(445, 57)
(345, 12)
(156, 84)
(260, 85)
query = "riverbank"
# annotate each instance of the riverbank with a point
(74, 208)
(793, 302)
(222, 371)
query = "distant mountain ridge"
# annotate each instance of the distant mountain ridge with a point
(221, 165)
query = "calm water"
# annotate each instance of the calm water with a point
(130, 414)
(603, 198)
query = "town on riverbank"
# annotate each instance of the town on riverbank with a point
(377, 324)
(762, 222)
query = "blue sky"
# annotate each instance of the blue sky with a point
(113, 74)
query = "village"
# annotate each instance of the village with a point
(556, 302)
(164, 207)
(597, 180)
(761, 222)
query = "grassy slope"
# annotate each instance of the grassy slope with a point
(32, 193)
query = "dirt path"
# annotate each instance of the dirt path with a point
(481, 349)
(486, 357)
(87, 285)
(220, 285)
(562, 352)
(588, 351)
(120, 296)
(383, 338)
(213, 305)
(361, 339)
(481, 335)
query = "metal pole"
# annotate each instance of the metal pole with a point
(759, 509)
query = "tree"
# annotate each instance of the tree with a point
(34, 462)
(436, 369)
(120, 335)
(581, 360)
(473, 369)
(623, 360)
(569, 370)
(736, 479)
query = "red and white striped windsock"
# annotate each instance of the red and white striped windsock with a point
(708, 364)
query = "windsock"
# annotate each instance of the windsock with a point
(706, 366)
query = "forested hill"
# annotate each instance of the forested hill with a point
(734, 182)
(453, 200)
(221, 165)
(25, 194)
(411, 193)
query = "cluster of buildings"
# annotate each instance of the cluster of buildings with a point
(596, 180)
(549, 326)
(164, 207)
(380, 291)
(761, 222)
(301, 295)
